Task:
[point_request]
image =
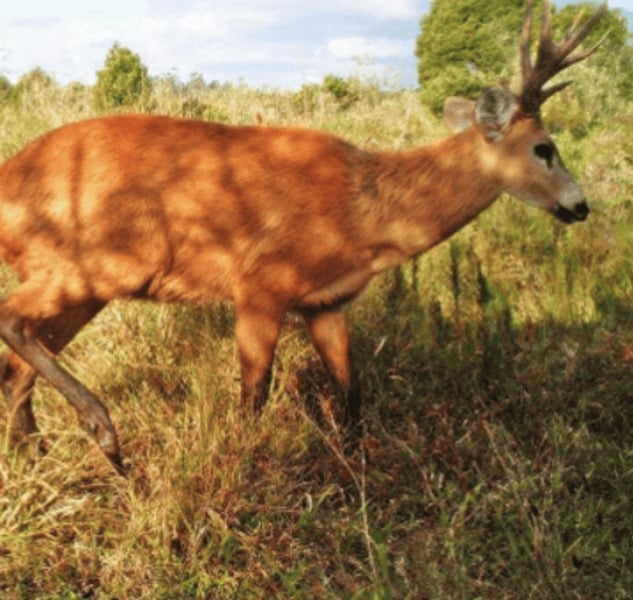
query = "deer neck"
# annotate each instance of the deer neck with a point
(421, 197)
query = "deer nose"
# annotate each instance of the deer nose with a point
(579, 212)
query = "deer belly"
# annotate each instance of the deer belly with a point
(338, 290)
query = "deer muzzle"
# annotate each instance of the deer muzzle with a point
(571, 215)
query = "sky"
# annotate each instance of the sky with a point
(263, 43)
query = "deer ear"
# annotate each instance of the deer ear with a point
(494, 111)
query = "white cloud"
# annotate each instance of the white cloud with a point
(355, 47)
(207, 23)
(384, 9)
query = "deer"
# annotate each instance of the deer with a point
(274, 220)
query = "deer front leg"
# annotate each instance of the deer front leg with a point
(257, 331)
(328, 332)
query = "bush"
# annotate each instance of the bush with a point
(345, 91)
(6, 88)
(306, 99)
(123, 82)
(195, 109)
(32, 83)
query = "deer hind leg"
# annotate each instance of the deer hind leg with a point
(33, 325)
(17, 377)
(257, 330)
(328, 331)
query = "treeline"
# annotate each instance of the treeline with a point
(124, 84)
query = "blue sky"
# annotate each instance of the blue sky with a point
(275, 43)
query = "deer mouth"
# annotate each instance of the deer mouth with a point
(566, 215)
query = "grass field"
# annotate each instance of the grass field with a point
(497, 460)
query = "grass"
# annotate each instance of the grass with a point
(497, 461)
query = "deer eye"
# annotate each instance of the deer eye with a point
(545, 152)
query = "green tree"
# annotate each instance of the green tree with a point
(464, 43)
(467, 44)
(123, 81)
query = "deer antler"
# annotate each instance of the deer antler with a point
(551, 58)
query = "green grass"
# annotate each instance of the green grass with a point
(497, 460)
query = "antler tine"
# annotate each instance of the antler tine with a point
(551, 58)
(545, 40)
(545, 56)
(526, 61)
(573, 40)
(550, 91)
(574, 25)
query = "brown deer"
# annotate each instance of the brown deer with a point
(272, 219)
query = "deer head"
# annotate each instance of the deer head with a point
(511, 123)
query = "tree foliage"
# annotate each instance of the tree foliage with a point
(462, 43)
(467, 44)
(123, 81)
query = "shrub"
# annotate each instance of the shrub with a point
(345, 91)
(32, 83)
(123, 81)
(306, 99)
(6, 88)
